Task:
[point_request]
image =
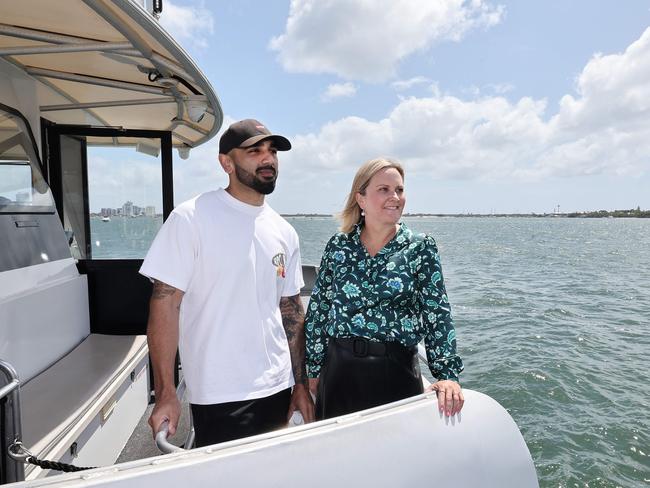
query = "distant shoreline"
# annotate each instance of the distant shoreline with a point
(634, 213)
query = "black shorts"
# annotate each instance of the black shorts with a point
(360, 374)
(223, 422)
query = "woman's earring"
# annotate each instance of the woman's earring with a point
(363, 213)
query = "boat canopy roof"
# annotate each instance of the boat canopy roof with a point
(108, 64)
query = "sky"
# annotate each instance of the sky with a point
(491, 106)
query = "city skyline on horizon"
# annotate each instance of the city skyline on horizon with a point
(128, 208)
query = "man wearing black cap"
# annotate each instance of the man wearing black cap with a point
(227, 277)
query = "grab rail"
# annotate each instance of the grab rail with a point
(15, 470)
(162, 443)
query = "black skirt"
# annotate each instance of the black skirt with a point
(360, 374)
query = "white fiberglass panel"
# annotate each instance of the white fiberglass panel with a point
(39, 326)
(24, 280)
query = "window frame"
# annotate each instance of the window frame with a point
(34, 163)
(52, 153)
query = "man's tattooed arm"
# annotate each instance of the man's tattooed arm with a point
(162, 290)
(162, 338)
(293, 319)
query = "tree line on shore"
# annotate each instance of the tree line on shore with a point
(636, 212)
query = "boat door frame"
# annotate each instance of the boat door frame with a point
(108, 279)
(51, 147)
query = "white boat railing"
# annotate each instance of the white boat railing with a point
(162, 443)
(14, 468)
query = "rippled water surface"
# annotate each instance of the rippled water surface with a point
(552, 319)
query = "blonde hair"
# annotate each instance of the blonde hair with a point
(351, 214)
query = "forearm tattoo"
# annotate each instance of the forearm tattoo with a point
(293, 320)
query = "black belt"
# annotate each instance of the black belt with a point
(362, 347)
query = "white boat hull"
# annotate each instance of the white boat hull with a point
(407, 443)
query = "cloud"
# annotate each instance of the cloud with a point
(401, 85)
(202, 171)
(501, 88)
(365, 40)
(188, 24)
(118, 175)
(338, 90)
(601, 129)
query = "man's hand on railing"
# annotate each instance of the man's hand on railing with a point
(167, 408)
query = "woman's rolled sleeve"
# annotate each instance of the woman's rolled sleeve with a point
(439, 332)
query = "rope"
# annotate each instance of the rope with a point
(67, 468)
(20, 453)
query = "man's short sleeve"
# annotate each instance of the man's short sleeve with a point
(172, 255)
(293, 279)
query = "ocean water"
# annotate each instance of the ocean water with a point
(552, 320)
(123, 237)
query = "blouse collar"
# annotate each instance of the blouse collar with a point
(401, 236)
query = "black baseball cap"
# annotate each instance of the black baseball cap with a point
(247, 133)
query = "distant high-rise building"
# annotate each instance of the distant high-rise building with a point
(127, 209)
(150, 211)
(107, 212)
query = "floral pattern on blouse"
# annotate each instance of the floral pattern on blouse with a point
(397, 295)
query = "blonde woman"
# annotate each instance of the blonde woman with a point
(378, 293)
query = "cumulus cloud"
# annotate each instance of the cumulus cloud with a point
(123, 175)
(339, 90)
(601, 129)
(501, 88)
(188, 24)
(365, 40)
(401, 85)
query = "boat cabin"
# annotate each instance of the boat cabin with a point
(93, 94)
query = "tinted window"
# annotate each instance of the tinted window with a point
(22, 188)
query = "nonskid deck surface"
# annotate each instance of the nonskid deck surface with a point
(141, 444)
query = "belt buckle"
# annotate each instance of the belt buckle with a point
(360, 347)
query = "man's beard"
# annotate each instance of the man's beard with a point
(251, 180)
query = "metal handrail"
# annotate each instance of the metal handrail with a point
(5, 390)
(161, 439)
(162, 443)
(12, 390)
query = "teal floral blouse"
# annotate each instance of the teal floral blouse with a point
(397, 295)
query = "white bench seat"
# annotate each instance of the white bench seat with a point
(83, 387)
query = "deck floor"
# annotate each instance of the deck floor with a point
(141, 444)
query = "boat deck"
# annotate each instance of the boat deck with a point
(141, 444)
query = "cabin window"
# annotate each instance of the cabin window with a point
(22, 187)
(125, 195)
(112, 187)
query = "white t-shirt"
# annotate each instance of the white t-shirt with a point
(234, 262)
